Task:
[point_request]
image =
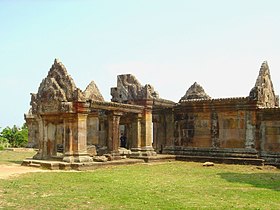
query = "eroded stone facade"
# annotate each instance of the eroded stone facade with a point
(244, 127)
(73, 125)
(129, 89)
(195, 92)
(67, 123)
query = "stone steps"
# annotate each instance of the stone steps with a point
(35, 165)
(58, 165)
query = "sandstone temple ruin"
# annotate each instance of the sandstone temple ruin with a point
(75, 126)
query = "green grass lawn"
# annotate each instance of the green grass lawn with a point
(8, 157)
(171, 185)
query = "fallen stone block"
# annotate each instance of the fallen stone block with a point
(208, 164)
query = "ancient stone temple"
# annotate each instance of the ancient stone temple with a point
(75, 126)
(68, 124)
(227, 129)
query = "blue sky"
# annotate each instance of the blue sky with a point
(168, 43)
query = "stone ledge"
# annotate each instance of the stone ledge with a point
(59, 165)
(213, 152)
(226, 160)
(157, 158)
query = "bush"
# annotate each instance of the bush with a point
(16, 137)
(4, 143)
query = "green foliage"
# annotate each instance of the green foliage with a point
(4, 143)
(15, 136)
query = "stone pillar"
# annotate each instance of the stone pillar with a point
(250, 139)
(50, 138)
(129, 135)
(102, 131)
(41, 154)
(146, 130)
(92, 129)
(113, 142)
(143, 142)
(136, 132)
(33, 130)
(169, 133)
(75, 142)
(215, 130)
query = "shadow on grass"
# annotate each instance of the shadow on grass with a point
(8, 162)
(16, 161)
(260, 180)
(14, 157)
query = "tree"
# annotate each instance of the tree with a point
(17, 137)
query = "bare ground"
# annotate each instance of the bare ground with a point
(7, 171)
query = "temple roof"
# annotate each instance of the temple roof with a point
(92, 92)
(196, 91)
(58, 85)
(129, 89)
(263, 91)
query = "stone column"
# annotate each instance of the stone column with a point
(47, 140)
(50, 128)
(129, 135)
(146, 130)
(250, 119)
(75, 142)
(102, 131)
(93, 129)
(136, 132)
(169, 133)
(33, 129)
(41, 154)
(143, 143)
(113, 142)
(215, 130)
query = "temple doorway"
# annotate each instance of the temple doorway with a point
(123, 136)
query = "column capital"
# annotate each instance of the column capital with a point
(138, 116)
(115, 113)
(81, 107)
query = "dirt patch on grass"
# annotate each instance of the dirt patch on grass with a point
(7, 171)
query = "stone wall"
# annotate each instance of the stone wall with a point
(217, 123)
(269, 135)
(62, 116)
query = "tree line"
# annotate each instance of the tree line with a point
(14, 137)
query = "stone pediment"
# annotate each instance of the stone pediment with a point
(92, 92)
(129, 89)
(196, 91)
(263, 91)
(58, 86)
(50, 90)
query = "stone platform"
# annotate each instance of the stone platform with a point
(218, 155)
(226, 160)
(59, 165)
